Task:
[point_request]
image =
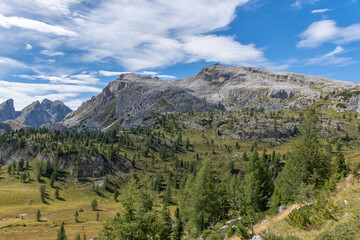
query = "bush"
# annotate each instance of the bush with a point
(341, 231)
(272, 236)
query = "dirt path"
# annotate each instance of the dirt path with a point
(265, 225)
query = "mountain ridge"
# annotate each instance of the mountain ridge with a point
(131, 98)
(34, 115)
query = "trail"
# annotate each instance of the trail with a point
(261, 227)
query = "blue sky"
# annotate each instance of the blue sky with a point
(70, 49)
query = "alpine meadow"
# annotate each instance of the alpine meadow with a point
(171, 120)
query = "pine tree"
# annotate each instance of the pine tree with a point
(167, 196)
(56, 193)
(307, 165)
(97, 216)
(77, 237)
(61, 233)
(38, 215)
(138, 220)
(179, 228)
(257, 185)
(52, 180)
(76, 215)
(232, 167)
(38, 173)
(94, 205)
(340, 166)
(106, 182)
(42, 193)
(202, 200)
(116, 194)
(165, 224)
(9, 169)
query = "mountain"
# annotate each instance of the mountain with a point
(33, 115)
(131, 98)
(7, 110)
(57, 109)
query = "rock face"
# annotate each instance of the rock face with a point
(131, 98)
(34, 115)
(7, 110)
(57, 109)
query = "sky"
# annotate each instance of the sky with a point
(69, 50)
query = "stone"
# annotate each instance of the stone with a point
(282, 208)
(223, 227)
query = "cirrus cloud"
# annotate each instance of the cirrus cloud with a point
(328, 31)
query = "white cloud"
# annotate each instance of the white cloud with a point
(80, 79)
(151, 34)
(153, 74)
(52, 53)
(337, 50)
(301, 3)
(161, 76)
(327, 31)
(222, 49)
(331, 58)
(110, 74)
(8, 22)
(10, 63)
(28, 46)
(320, 10)
(41, 7)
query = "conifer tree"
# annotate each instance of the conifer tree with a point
(42, 193)
(56, 193)
(179, 228)
(257, 185)
(307, 165)
(202, 199)
(94, 205)
(38, 215)
(165, 224)
(77, 237)
(76, 215)
(61, 233)
(340, 166)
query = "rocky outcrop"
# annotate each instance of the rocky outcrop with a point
(34, 115)
(129, 99)
(57, 109)
(7, 110)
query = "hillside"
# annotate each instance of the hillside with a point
(199, 144)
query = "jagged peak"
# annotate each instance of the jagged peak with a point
(133, 77)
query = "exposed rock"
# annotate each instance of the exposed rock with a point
(233, 220)
(7, 110)
(57, 109)
(131, 98)
(38, 114)
(223, 227)
(34, 115)
(282, 208)
(257, 237)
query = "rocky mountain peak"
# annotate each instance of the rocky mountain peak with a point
(7, 110)
(46, 103)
